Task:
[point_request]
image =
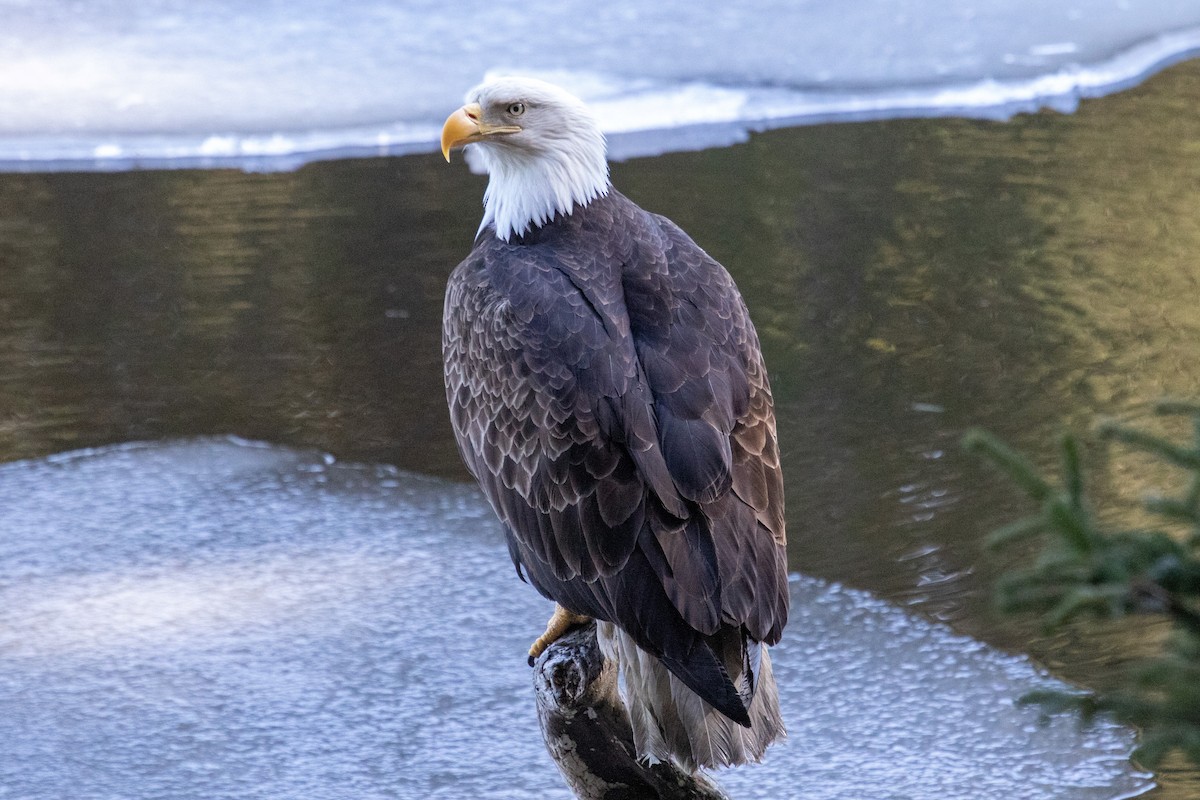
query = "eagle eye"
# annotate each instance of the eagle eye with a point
(515, 109)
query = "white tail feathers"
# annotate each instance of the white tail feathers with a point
(671, 722)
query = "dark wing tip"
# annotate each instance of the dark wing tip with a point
(703, 673)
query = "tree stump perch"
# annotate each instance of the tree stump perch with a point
(587, 732)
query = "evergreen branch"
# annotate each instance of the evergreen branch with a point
(1192, 500)
(1181, 510)
(1100, 599)
(1012, 463)
(1182, 457)
(1015, 531)
(1166, 601)
(1072, 471)
(1072, 524)
(1085, 569)
(1179, 407)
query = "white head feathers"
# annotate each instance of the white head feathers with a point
(553, 164)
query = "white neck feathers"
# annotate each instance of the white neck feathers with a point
(552, 165)
(527, 188)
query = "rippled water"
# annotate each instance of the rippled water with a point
(909, 279)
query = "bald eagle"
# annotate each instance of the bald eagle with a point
(607, 390)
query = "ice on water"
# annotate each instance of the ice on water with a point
(218, 619)
(270, 85)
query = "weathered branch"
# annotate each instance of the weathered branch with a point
(587, 729)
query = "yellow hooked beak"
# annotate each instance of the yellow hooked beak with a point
(466, 125)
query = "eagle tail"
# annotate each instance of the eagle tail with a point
(671, 722)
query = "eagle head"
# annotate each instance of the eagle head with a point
(540, 145)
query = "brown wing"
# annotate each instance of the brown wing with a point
(606, 390)
(713, 405)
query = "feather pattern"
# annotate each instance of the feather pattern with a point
(670, 721)
(607, 390)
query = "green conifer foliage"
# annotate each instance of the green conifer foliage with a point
(1084, 568)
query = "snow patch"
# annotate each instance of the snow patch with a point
(274, 85)
(219, 618)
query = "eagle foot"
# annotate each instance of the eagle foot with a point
(560, 622)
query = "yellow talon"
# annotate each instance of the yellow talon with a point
(560, 622)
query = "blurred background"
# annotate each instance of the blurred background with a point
(219, 220)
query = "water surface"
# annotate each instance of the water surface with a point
(909, 279)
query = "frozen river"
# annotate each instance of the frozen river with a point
(208, 618)
(270, 85)
(215, 619)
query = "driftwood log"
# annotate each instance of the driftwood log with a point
(587, 730)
